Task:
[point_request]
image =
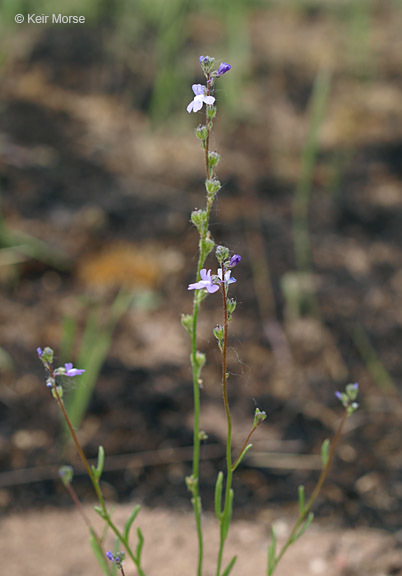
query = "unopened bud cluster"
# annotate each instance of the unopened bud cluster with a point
(348, 398)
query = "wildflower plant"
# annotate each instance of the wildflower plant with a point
(207, 282)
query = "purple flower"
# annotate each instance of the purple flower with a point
(39, 352)
(228, 279)
(199, 98)
(203, 58)
(223, 68)
(235, 260)
(339, 395)
(118, 559)
(205, 282)
(71, 372)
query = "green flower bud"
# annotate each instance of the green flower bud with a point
(66, 474)
(207, 246)
(221, 253)
(199, 218)
(212, 186)
(259, 416)
(187, 322)
(201, 132)
(207, 63)
(213, 159)
(211, 112)
(200, 360)
(58, 391)
(219, 334)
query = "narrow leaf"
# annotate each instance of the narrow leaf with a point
(229, 567)
(130, 521)
(98, 553)
(242, 455)
(307, 523)
(138, 549)
(271, 553)
(99, 511)
(301, 499)
(218, 496)
(101, 462)
(325, 452)
(227, 516)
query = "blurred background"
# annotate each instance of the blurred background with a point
(99, 172)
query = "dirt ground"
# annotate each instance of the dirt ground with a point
(170, 547)
(105, 195)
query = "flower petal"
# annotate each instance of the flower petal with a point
(198, 89)
(209, 100)
(197, 103)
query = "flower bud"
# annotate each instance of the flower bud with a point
(219, 333)
(207, 63)
(259, 416)
(213, 159)
(223, 68)
(201, 132)
(212, 186)
(187, 322)
(66, 474)
(199, 218)
(235, 260)
(222, 253)
(211, 112)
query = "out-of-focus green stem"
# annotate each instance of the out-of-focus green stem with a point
(307, 508)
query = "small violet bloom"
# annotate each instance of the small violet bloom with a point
(223, 68)
(235, 260)
(205, 282)
(39, 352)
(71, 372)
(199, 98)
(228, 279)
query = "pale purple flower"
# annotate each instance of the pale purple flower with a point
(205, 282)
(200, 98)
(110, 556)
(223, 68)
(39, 352)
(228, 279)
(339, 395)
(71, 372)
(235, 260)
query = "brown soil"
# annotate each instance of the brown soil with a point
(170, 547)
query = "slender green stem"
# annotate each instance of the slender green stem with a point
(229, 467)
(253, 429)
(95, 482)
(313, 497)
(196, 500)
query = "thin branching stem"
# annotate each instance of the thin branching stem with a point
(105, 514)
(229, 467)
(307, 508)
